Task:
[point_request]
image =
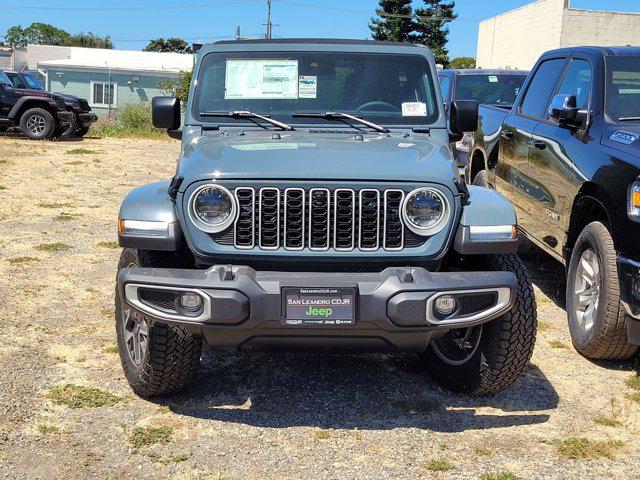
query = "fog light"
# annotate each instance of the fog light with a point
(191, 302)
(445, 305)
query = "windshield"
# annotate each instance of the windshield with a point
(5, 80)
(381, 88)
(623, 87)
(489, 89)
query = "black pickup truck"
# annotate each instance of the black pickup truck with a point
(83, 116)
(492, 89)
(568, 156)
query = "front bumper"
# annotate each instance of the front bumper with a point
(243, 308)
(87, 118)
(65, 117)
(629, 277)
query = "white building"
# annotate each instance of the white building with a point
(517, 38)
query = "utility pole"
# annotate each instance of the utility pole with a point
(268, 34)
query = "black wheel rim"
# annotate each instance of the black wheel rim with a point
(457, 347)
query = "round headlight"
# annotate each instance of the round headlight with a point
(425, 211)
(212, 208)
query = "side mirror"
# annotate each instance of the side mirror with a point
(165, 113)
(563, 109)
(463, 117)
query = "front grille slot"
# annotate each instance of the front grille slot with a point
(320, 219)
(269, 219)
(162, 299)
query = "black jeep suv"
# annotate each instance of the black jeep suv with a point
(83, 116)
(39, 114)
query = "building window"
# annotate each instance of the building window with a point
(104, 94)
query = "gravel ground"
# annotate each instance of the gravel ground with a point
(255, 416)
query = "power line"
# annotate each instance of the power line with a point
(128, 8)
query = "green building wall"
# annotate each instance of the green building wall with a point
(132, 87)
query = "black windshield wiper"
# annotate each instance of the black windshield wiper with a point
(249, 115)
(341, 116)
(628, 119)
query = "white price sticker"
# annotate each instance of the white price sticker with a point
(414, 109)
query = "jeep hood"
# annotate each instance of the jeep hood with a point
(307, 156)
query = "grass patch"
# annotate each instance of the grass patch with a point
(132, 121)
(53, 247)
(607, 421)
(440, 465)
(633, 382)
(580, 448)
(46, 428)
(426, 405)
(21, 260)
(557, 344)
(52, 205)
(2, 187)
(484, 451)
(143, 437)
(81, 151)
(545, 326)
(322, 434)
(154, 457)
(164, 409)
(76, 396)
(65, 217)
(500, 476)
(110, 349)
(111, 245)
(634, 397)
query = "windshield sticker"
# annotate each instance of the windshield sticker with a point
(261, 79)
(414, 109)
(308, 86)
(493, 79)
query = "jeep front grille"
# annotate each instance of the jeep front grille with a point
(319, 219)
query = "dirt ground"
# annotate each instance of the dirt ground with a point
(256, 416)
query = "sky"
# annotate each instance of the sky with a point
(132, 23)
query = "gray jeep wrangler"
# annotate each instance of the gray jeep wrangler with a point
(316, 205)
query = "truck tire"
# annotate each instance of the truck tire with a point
(496, 353)
(157, 358)
(81, 132)
(68, 131)
(37, 124)
(595, 314)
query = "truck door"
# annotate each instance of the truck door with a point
(513, 177)
(550, 165)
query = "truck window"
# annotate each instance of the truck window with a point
(539, 91)
(489, 89)
(445, 83)
(623, 87)
(577, 81)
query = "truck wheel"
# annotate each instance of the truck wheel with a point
(490, 357)
(37, 124)
(81, 132)
(157, 358)
(68, 131)
(596, 316)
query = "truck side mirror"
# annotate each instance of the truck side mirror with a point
(563, 109)
(463, 117)
(165, 113)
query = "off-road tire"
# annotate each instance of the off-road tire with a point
(173, 352)
(49, 125)
(68, 131)
(81, 132)
(482, 179)
(505, 346)
(607, 339)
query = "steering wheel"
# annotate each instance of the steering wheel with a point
(388, 106)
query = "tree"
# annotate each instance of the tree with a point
(177, 87)
(390, 27)
(463, 62)
(176, 45)
(45, 34)
(432, 32)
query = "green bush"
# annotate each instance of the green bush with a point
(133, 120)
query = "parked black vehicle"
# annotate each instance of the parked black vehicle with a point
(37, 113)
(492, 89)
(83, 116)
(569, 160)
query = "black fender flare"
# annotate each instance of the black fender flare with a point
(13, 113)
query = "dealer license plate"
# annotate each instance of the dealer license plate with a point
(318, 306)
